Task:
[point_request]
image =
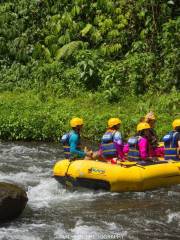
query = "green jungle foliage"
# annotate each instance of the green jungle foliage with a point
(32, 116)
(111, 50)
(115, 46)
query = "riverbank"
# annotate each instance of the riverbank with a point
(41, 117)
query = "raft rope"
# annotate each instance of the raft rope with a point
(70, 161)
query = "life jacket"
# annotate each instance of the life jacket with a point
(66, 147)
(170, 144)
(108, 146)
(134, 154)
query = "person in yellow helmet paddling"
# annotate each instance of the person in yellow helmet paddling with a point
(112, 142)
(71, 141)
(172, 142)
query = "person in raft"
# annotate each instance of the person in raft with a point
(154, 149)
(139, 144)
(71, 141)
(111, 147)
(172, 142)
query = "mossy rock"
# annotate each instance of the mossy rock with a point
(13, 200)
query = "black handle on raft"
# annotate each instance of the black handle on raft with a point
(70, 161)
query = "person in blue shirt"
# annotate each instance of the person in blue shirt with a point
(172, 142)
(71, 141)
(112, 142)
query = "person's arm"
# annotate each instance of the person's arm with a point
(73, 142)
(119, 144)
(178, 145)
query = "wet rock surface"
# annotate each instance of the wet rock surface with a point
(13, 200)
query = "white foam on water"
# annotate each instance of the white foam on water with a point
(173, 193)
(171, 217)
(86, 232)
(22, 149)
(79, 232)
(118, 229)
(34, 169)
(49, 192)
(82, 231)
(24, 178)
(14, 233)
(61, 233)
(111, 225)
(139, 195)
(44, 194)
(15, 153)
(86, 195)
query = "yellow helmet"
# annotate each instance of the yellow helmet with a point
(76, 122)
(176, 123)
(150, 116)
(142, 126)
(113, 122)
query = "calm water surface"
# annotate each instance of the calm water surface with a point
(56, 213)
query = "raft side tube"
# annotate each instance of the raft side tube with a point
(84, 183)
(117, 178)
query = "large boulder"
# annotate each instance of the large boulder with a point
(13, 200)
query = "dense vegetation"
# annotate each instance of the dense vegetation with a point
(103, 53)
(26, 116)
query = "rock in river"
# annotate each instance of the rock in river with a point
(13, 200)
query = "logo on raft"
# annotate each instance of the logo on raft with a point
(95, 170)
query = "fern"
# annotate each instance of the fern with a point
(47, 54)
(68, 49)
(87, 29)
(120, 26)
(5, 7)
(79, 2)
(55, 18)
(2, 45)
(96, 36)
(110, 7)
(53, 48)
(102, 3)
(108, 23)
(37, 51)
(111, 49)
(66, 19)
(49, 40)
(98, 20)
(75, 11)
(20, 42)
(64, 39)
(113, 34)
(118, 11)
(57, 28)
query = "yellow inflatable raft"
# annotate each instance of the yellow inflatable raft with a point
(122, 177)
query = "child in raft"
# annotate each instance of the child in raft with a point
(138, 146)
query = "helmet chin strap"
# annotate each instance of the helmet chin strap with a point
(77, 129)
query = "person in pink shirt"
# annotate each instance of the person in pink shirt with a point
(139, 144)
(154, 149)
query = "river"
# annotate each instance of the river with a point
(54, 212)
